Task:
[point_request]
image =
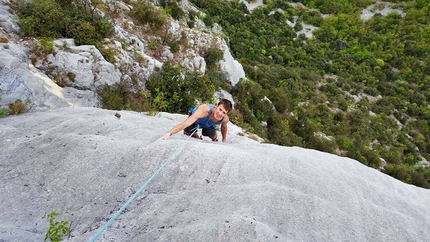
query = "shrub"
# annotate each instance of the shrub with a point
(152, 44)
(17, 107)
(165, 88)
(312, 17)
(172, 8)
(47, 45)
(418, 179)
(138, 57)
(174, 46)
(113, 97)
(208, 21)
(145, 13)
(71, 76)
(218, 79)
(41, 48)
(175, 93)
(213, 55)
(371, 91)
(279, 130)
(40, 18)
(108, 54)
(192, 15)
(190, 24)
(298, 27)
(343, 141)
(83, 32)
(321, 143)
(3, 112)
(199, 87)
(52, 19)
(236, 117)
(56, 229)
(409, 175)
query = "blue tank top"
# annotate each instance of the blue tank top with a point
(206, 122)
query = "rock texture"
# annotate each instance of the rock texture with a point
(81, 67)
(72, 75)
(85, 163)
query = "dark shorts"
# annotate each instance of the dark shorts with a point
(210, 132)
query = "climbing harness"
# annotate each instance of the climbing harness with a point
(142, 187)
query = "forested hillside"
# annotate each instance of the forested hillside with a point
(356, 88)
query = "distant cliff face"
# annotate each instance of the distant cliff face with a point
(71, 75)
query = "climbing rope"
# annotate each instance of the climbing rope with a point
(142, 187)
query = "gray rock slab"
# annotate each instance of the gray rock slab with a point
(85, 163)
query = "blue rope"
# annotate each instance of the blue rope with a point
(141, 188)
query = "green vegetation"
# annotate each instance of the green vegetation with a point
(75, 19)
(172, 9)
(3, 112)
(213, 55)
(114, 97)
(42, 48)
(175, 94)
(357, 88)
(145, 13)
(57, 229)
(167, 91)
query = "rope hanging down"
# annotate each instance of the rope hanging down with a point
(141, 188)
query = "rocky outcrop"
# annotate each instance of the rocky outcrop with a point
(19, 80)
(81, 67)
(231, 68)
(72, 75)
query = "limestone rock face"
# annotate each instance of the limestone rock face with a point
(231, 68)
(7, 25)
(82, 67)
(20, 80)
(13, 87)
(85, 163)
